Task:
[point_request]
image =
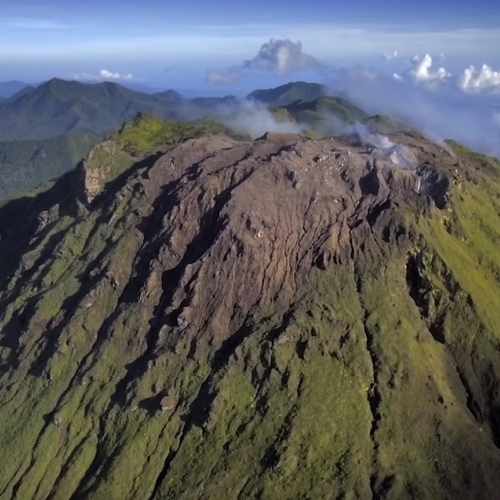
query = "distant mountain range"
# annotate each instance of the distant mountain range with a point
(60, 107)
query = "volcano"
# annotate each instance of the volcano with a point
(280, 318)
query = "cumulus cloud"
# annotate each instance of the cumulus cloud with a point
(422, 71)
(276, 57)
(470, 79)
(479, 79)
(104, 75)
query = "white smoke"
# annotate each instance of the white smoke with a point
(398, 154)
(276, 57)
(377, 140)
(255, 120)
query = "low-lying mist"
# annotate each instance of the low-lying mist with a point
(255, 119)
(469, 118)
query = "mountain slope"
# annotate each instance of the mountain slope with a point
(170, 96)
(271, 319)
(60, 107)
(26, 164)
(326, 115)
(289, 93)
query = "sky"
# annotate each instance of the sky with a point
(165, 44)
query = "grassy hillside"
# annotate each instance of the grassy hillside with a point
(289, 93)
(146, 133)
(326, 115)
(26, 164)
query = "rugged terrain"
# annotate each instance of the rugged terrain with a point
(281, 318)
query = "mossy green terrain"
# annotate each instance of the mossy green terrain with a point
(206, 328)
(24, 165)
(145, 133)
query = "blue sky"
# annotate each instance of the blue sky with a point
(45, 38)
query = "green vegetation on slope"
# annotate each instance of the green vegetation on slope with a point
(26, 164)
(326, 115)
(329, 116)
(146, 133)
(382, 124)
(285, 95)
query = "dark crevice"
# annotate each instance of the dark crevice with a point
(435, 185)
(370, 184)
(473, 406)
(374, 395)
(436, 329)
(272, 455)
(285, 323)
(421, 292)
(375, 212)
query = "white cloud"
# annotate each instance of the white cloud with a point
(281, 57)
(470, 79)
(276, 57)
(390, 56)
(485, 78)
(422, 71)
(104, 75)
